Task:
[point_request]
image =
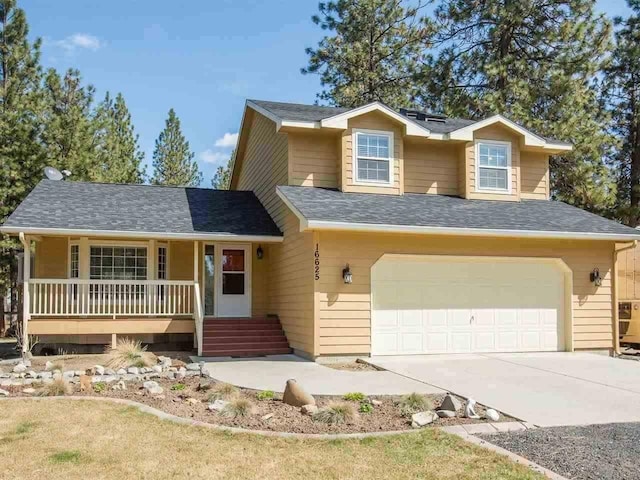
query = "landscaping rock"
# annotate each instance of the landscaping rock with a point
(218, 405)
(110, 371)
(99, 369)
(29, 391)
(156, 369)
(469, 409)
(450, 403)
(295, 395)
(267, 417)
(68, 374)
(152, 388)
(180, 375)
(45, 375)
(121, 371)
(375, 403)
(32, 374)
(164, 362)
(492, 415)
(4, 393)
(121, 385)
(308, 409)
(193, 401)
(194, 367)
(446, 413)
(419, 420)
(48, 365)
(178, 363)
(133, 370)
(20, 368)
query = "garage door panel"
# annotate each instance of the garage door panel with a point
(452, 304)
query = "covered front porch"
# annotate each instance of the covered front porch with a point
(86, 289)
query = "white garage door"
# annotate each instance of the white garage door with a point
(427, 304)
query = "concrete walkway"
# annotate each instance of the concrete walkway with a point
(272, 372)
(546, 389)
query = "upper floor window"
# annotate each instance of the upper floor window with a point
(493, 166)
(373, 160)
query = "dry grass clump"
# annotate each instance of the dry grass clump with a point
(223, 391)
(129, 353)
(238, 407)
(414, 403)
(336, 413)
(57, 388)
(57, 365)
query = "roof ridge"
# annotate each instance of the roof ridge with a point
(86, 182)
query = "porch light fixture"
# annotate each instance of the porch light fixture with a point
(260, 252)
(595, 277)
(346, 274)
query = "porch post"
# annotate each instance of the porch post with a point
(197, 313)
(26, 300)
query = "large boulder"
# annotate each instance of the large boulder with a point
(492, 415)
(295, 395)
(450, 403)
(20, 368)
(152, 387)
(422, 419)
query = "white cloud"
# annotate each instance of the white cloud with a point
(79, 41)
(227, 140)
(209, 156)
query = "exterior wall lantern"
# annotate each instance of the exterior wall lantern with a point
(595, 277)
(346, 274)
(260, 252)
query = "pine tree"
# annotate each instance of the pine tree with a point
(621, 94)
(21, 155)
(68, 127)
(173, 162)
(373, 54)
(533, 61)
(118, 156)
(222, 178)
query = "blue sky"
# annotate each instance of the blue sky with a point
(201, 57)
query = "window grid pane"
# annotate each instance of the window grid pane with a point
(373, 170)
(75, 264)
(162, 263)
(109, 263)
(493, 178)
(492, 155)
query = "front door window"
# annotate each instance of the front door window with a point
(209, 274)
(233, 272)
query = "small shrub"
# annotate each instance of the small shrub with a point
(178, 386)
(129, 353)
(56, 388)
(25, 427)
(336, 413)
(66, 456)
(414, 403)
(354, 397)
(238, 407)
(365, 407)
(222, 391)
(265, 395)
(57, 365)
(99, 387)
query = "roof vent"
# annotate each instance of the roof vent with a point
(415, 114)
(432, 117)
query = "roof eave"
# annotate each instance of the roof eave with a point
(212, 236)
(469, 232)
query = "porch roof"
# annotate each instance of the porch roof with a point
(142, 211)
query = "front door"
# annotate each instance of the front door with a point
(228, 285)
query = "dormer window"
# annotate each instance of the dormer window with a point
(493, 166)
(373, 157)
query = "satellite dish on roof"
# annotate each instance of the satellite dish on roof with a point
(53, 173)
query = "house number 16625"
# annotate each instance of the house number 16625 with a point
(316, 263)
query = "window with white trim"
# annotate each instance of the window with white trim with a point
(162, 263)
(494, 166)
(74, 271)
(373, 157)
(118, 263)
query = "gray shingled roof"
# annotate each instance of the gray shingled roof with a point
(296, 112)
(439, 211)
(142, 208)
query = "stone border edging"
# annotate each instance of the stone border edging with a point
(512, 456)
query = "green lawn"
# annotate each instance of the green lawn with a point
(84, 439)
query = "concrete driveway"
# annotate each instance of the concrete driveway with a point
(547, 389)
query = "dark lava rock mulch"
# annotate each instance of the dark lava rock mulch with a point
(594, 452)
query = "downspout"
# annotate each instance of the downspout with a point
(26, 302)
(616, 319)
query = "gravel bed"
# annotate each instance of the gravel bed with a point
(594, 452)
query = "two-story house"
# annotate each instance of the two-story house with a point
(346, 232)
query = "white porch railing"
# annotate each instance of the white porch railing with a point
(78, 297)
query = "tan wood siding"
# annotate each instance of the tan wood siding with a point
(500, 133)
(313, 159)
(291, 284)
(373, 121)
(345, 310)
(94, 326)
(264, 165)
(51, 257)
(534, 167)
(430, 167)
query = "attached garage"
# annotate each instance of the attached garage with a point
(424, 304)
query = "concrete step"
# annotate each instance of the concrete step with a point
(246, 352)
